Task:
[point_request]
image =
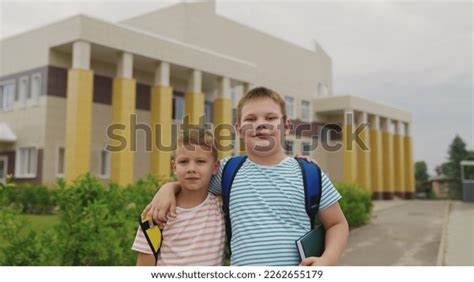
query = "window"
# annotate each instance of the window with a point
(289, 147)
(26, 162)
(178, 108)
(60, 167)
(104, 165)
(35, 90)
(289, 107)
(305, 111)
(306, 149)
(7, 95)
(208, 112)
(3, 169)
(23, 91)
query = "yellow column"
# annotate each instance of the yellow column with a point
(409, 166)
(349, 153)
(222, 110)
(194, 107)
(399, 177)
(161, 103)
(376, 171)
(194, 100)
(387, 149)
(78, 112)
(123, 106)
(161, 121)
(78, 123)
(363, 154)
(222, 118)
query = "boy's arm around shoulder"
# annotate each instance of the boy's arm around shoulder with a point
(163, 203)
(337, 233)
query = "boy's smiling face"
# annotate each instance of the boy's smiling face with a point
(194, 166)
(262, 127)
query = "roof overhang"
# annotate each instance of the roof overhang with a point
(6, 134)
(340, 103)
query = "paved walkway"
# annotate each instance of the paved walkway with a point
(400, 233)
(457, 247)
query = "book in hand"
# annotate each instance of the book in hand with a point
(311, 244)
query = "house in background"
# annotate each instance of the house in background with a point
(64, 84)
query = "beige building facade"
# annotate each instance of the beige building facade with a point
(63, 85)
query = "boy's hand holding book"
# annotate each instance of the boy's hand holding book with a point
(317, 261)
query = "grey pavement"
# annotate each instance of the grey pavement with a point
(401, 232)
(458, 239)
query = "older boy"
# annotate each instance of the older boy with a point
(267, 209)
(196, 235)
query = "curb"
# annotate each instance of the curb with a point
(440, 261)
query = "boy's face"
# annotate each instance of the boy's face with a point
(194, 166)
(262, 127)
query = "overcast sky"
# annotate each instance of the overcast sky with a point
(415, 55)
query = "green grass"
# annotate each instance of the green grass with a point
(39, 223)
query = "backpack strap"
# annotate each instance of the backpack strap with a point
(228, 174)
(312, 181)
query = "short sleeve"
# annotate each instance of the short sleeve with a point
(140, 244)
(329, 194)
(215, 186)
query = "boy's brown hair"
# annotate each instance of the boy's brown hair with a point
(259, 93)
(191, 137)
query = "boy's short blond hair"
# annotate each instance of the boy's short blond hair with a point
(197, 137)
(259, 93)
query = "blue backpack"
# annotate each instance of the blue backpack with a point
(312, 182)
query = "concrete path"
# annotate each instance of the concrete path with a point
(457, 247)
(401, 233)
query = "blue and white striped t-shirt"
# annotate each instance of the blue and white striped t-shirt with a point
(267, 211)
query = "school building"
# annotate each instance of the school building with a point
(70, 88)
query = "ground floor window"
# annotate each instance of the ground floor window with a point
(104, 165)
(26, 162)
(60, 163)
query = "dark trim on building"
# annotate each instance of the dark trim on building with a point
(11, 161)
(11, 167)
(102, 93)
(387, 195)
(399, 194)
(102, 88)
(143, 99)
(408, 195)
(57, 82)
(377, 196)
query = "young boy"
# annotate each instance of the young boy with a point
(267, 208)
(196, 235)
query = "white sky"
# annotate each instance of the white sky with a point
(415, 55)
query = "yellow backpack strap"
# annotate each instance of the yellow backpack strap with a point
(152, 234)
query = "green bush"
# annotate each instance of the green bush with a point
(97, 225)
(356, 203)
(32, 199)
(21, 245)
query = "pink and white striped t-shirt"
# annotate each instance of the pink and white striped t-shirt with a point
(194, 237)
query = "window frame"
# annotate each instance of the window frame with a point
(18, 173)
(290, 107)
(308, 110)
(58, 173)
(7, 104)
(107, 164)
(34, 96)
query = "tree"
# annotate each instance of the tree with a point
(452, 169)
(421, 174)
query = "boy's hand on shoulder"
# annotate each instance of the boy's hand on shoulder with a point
(162, 206)
(316, 261)
(307, 158)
